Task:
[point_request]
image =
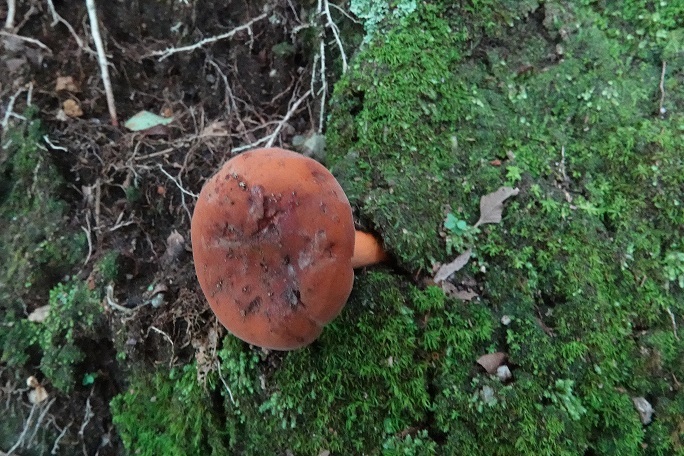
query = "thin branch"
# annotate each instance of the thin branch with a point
(336, 33)
(289, 114)
(674, 322)
(102, 60)
(661, 109)
(27, 39)
(168, 52)
(11, 13)
(184, 192)
(56, 19)
(10, 108)
(22, 436)
(55, 446)
(323, 90)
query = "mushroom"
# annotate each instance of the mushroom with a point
(274, 247)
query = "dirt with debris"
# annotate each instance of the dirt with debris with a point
(245, 79)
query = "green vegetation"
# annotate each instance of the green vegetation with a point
(37, 251)
(168, 413)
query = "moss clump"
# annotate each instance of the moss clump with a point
(329, 396)
(36, 250)
(585, 264)
(167, 413)
(36, 247)
(344, 398)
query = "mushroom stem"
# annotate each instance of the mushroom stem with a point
(367, 250)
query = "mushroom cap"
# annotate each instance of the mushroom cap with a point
(272, 238)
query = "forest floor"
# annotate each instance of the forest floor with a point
(576, 112)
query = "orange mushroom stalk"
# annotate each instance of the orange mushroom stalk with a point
(367, 250)
(274, 247)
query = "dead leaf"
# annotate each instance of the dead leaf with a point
(450, 290)
(205, 355)
(37, 395)
(491, 361)
(446, 270)
(66, 83)
(491, 205)
(644, 408)
(145, 120)
(40, 314)
(175, 245)
(71, 108)
(215, 129)
(503, 373)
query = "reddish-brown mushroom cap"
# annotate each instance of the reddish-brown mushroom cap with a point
(272, 238)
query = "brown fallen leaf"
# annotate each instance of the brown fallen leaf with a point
(217, 128)
(446, 270)
(492, 361)
(491, 205)
(66, 83)
(175, 245)
(464, 295)
(71, 108)
(644, 408)
(37, 395)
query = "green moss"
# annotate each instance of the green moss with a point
(75, 315)
(36, 247)
(167, 413)
(37, 250)
(332, 395)
(585, 264)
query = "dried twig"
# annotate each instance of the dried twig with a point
(40, 44)
(168, 52)
(27, 426)
(184, 192)
(661, 109)
(674, 322)
(56, 18)
(90, 241)
(102, 60)
(10, 108)
(230, 393)
(288, 115)
(55, 446)
(109, 296)
(11, 13)
(87, 415)
(324, 7)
